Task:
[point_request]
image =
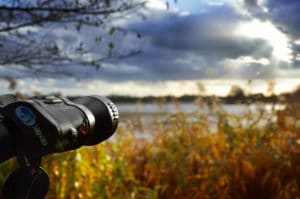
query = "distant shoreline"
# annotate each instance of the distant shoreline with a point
(239, 99)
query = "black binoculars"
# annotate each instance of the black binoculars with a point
(41, 125)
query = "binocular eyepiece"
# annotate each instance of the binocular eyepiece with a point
(49, 124)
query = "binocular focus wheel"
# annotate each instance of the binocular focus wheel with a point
(25, 183)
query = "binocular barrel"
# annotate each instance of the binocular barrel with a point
(48, 124)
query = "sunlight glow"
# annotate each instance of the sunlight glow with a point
(267, 31)
(265, 9)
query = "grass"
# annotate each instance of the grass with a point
(181, 156)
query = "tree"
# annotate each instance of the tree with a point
(236, 92)
(28, 47)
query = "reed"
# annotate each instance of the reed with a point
(180, 155)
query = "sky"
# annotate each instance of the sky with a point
(216, 43)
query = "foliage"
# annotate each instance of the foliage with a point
(236, 91)
(204, 154)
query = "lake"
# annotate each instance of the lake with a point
(141, 115)
(188, 107)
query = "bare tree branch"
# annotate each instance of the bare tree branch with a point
(23, 43)
(39, 15)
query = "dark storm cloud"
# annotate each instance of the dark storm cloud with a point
(208, 34)
(176, 47)
(286, 15)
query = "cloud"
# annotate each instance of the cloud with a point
(176, 47)
(284, 14)
(251, 3)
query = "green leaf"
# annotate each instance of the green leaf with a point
(111, 45)
(112, 30)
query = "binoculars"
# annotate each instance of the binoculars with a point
(41, 125)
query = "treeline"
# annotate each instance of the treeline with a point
(231, 99)
(235, 96)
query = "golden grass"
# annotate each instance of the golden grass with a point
(181, 157)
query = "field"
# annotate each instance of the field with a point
(179, 155)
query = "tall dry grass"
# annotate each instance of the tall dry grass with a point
(254, 155)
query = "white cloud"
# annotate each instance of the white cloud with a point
(249, 59)
(268, 31)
